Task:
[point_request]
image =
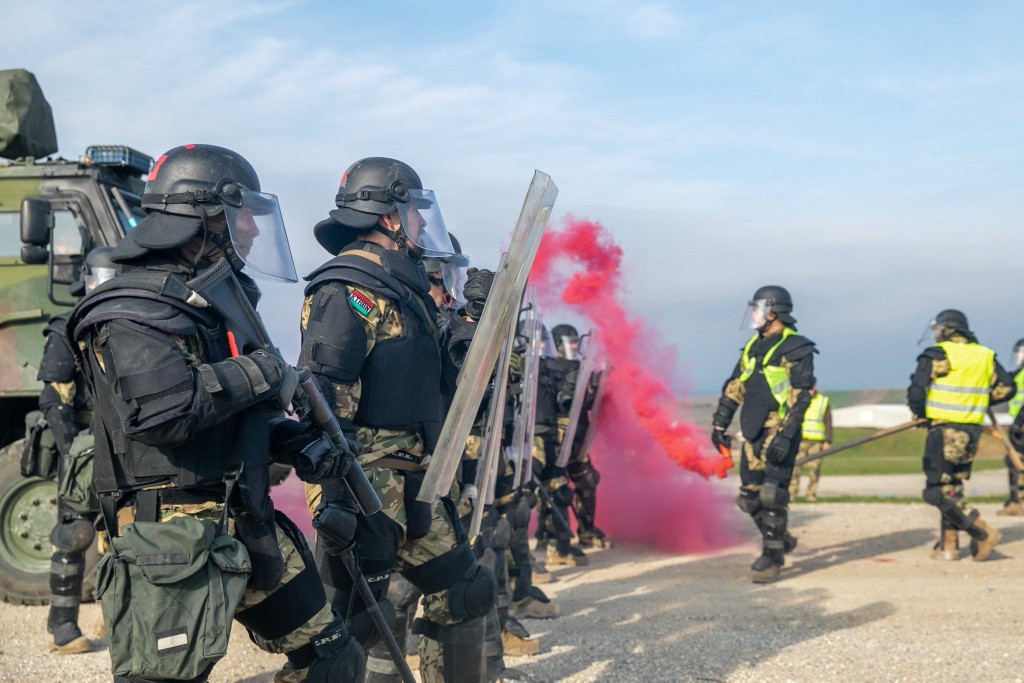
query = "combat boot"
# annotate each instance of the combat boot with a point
(767, 568)
(539, 571)
(981, 548)
(1012, 508)
(536, 605)
(594, 538)
(517, 646)
(947, 547)
(68, 640)
(573, 557)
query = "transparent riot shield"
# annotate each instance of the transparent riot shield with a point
(602, 377)
(500, 312)
(487, 471)
(579, 394)
(522, 439)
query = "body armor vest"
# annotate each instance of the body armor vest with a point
(400, 379)
(156, 301)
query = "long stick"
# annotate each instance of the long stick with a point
(864, 439)
(1010, 450)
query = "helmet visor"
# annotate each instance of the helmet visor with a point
(97, 276)
(257, 232)
(930, 335)
(755, 316)
(570, 346)
(423, 225)
(453, 271)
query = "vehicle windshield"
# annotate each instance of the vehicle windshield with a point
(10, 233)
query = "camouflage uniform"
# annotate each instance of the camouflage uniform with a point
(812, 469)
(951, 445)
(391, 458)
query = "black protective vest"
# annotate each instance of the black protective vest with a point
(155, 300)
(400, 379)
(552, 376)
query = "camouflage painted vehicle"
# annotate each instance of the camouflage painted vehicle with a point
(52, 212)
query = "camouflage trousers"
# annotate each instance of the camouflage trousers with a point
(949, 452)
(813, 469)
(441, 538)
(294, 565)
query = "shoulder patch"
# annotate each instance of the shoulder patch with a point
(362, 303)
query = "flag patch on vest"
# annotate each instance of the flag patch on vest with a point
(362, 304)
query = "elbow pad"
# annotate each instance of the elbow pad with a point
(725, 411)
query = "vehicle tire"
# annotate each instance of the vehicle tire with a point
(28, 511)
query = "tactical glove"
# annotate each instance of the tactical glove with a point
(335, 525)
(779, 449)
(721, 439)
(476, 290)
(321, 461)
(280, 377)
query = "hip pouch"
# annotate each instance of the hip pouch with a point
(75, 487)
(169, 592)
(39, 458)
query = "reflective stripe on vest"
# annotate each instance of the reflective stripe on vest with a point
(1017, 402)
(776, 376)
(962, 395)
(813, 427)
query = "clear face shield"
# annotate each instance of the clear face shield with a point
(930, 335)
(569, 346)
(454, 273)
(755, 317)
(257, 232)
(423, 225)
(97, 276)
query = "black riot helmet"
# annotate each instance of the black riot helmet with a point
(945, 324)
(768, 299)
(567, 340)
(188, 191)
(378, 186)
(96, 269)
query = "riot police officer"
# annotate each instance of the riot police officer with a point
(370, 331)
(773, 380)
(955, 382)
(67, 409)
(181, 427)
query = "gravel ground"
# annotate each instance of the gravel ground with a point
(859, 600)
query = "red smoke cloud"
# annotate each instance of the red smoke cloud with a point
(642, 445)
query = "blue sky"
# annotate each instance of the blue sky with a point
(867, 155)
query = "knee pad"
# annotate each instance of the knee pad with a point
(519, 517)
(473, 594)
(584, 475)
(773, 496)
(462, 646)
(443, 571)
(933, 496)
(501, 534)
(73, 535)
(292, 604)
(335, 656)
(562, 496)
(749, 503)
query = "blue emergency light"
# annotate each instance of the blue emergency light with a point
(121, 156)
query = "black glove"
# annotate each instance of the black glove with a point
(335, 525)
(322, 461)
(476, 290)
(279, 375)
(779, 449)
(720, 438)
(287, 438)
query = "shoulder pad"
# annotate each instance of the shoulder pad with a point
(796, 346)
(158, 315)
(933, 353)
(355, 270)
(57, 325)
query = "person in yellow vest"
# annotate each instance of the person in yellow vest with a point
(773, 380)
(955, 382)
(816, 437)
(1013, 506)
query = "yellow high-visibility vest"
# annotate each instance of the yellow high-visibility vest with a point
(775, 375)
(813, 427)
(962, 395)
(1017, 402)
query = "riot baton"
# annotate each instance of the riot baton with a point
(372, 606)
(862, 440)
(1011, 452)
